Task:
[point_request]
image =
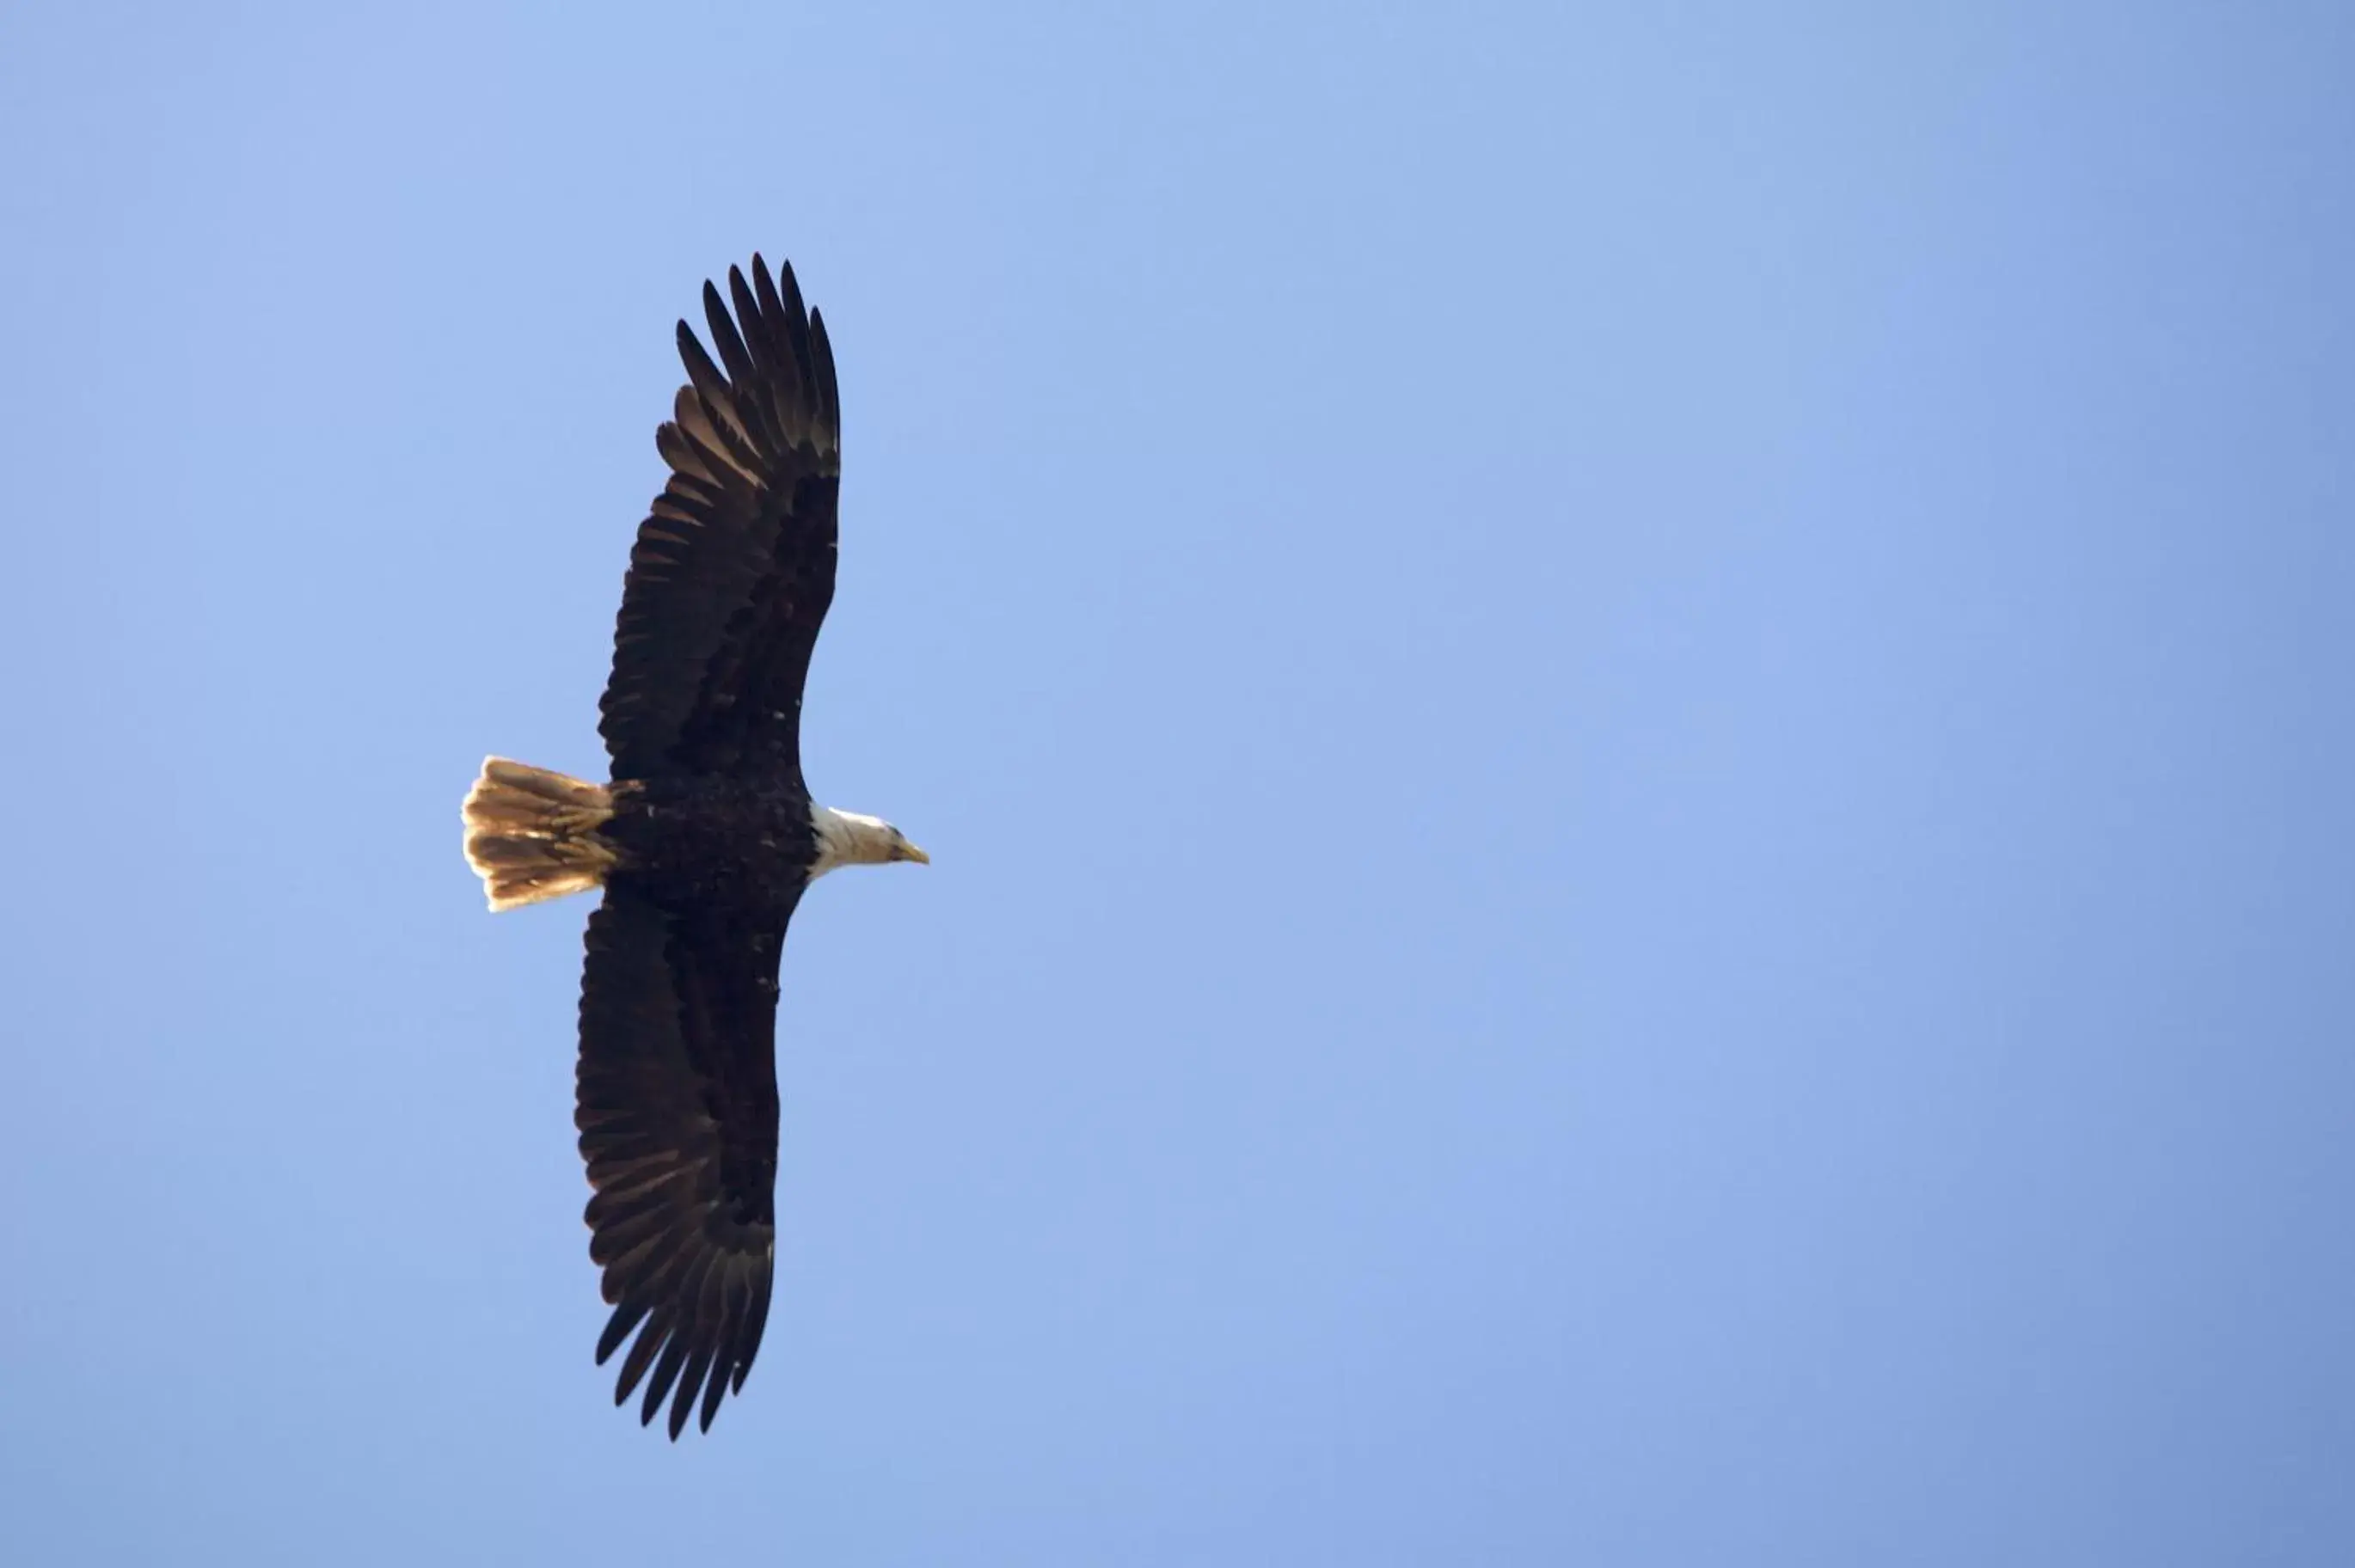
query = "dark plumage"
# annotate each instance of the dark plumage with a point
(703, 843)
(733, 570)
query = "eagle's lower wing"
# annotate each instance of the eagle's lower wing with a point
(733, 569)
(678, 1113)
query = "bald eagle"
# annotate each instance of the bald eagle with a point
(704, 841)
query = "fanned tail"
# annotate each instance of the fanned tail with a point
(531, 834)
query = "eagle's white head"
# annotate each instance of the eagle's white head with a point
(847, 838)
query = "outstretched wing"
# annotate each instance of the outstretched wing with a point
(678, 1113)
(733, 569)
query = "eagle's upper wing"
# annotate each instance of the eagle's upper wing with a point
(678, 1113)
(733, 569)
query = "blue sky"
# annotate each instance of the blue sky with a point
(1638, 725)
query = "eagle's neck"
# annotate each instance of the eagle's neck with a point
(847, 838)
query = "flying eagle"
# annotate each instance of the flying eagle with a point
(704, 841)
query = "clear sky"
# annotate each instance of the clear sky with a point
(1638, 724)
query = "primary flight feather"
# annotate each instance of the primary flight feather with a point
(704, 841)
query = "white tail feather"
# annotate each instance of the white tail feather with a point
(531, 834)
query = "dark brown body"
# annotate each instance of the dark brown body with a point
(688, 841)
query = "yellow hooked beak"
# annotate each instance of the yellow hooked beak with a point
(910, 852)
